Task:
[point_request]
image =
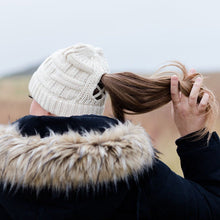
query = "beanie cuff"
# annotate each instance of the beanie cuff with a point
(59, 106)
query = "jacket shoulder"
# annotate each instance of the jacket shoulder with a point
(95, 153)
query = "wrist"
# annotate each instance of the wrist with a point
(190, 131)
(199, 137)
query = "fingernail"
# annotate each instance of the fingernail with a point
(192, 70)
(199, 79)
(207, 95)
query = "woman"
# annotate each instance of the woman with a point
(66, 161)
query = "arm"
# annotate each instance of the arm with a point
(197, 196)
(200, 161)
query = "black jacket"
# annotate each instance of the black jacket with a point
(93, 167)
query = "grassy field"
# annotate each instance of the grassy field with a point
(14, 103)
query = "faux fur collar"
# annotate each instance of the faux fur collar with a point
(72, 160)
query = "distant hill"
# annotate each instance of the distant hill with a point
(26, 71)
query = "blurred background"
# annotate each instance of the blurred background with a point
(137, 36)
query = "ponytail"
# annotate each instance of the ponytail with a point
(132, 94)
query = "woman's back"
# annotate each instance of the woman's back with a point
(104, 176)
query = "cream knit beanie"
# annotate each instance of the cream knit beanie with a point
(65, 82)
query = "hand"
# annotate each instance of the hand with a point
(187, 113)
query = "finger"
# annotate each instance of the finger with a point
(183, 99)
(203, 103)
(172, 109)
(191, 71)
(174, 90)
(195, 91)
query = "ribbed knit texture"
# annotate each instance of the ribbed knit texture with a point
(64, 83)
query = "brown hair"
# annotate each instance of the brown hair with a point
(134, 94)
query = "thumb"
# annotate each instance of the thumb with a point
(172, 110)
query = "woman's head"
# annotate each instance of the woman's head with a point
(73, 81)
(66, 83)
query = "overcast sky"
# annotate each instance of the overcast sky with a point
(137, 35)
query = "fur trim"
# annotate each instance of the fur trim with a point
(72, 160)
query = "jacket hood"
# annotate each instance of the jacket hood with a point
(72, 160)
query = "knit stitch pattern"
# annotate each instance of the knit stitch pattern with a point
(65, 82)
